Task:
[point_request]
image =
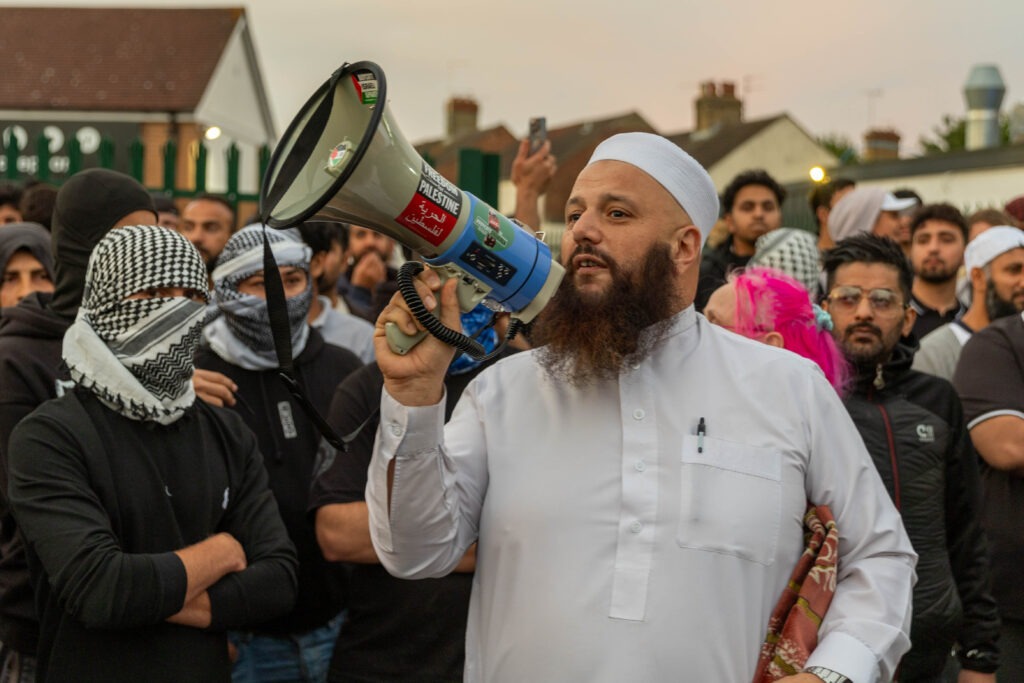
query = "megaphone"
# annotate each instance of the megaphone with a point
(343, 158)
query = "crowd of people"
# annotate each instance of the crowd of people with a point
(625, 493)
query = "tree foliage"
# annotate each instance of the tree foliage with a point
(951, 135)
(841, 146)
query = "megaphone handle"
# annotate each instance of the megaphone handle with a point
(400, 342)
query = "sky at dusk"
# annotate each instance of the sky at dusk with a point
(835, 67)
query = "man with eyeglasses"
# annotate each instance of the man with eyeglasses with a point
(913, 426)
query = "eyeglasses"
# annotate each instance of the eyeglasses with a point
(882, 301)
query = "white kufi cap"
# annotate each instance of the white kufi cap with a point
(994, 242)
(674, 169)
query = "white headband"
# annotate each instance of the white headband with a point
(674, 169)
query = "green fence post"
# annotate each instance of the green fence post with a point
(264, 163)
(471, 171)
(200, 167)
(492, 171)
(137, 152)
(11, 154)
(43, 157)
(233, 158)
(478, 174)
(74, 156)
(106, 153)
(170, 161)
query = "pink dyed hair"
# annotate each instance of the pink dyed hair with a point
(770, 301)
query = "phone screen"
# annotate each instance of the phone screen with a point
(538, 133)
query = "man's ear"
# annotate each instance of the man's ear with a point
(909, 318)
(978, 280)
(316, 265)
(774, 339)
(729, 223)
(822, 214)
(686, 245)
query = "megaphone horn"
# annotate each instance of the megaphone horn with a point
(343, 158)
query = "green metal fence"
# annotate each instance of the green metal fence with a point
(478, 171)
(107, 156)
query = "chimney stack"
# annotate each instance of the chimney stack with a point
(881, 145)
(984, 91)
(718, 106)
(462, 112)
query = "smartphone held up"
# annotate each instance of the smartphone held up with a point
(538, 133)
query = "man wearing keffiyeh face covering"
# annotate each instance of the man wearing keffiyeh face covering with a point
(297, 646)
(165, 535)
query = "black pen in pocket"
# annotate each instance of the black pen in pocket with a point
(701, 431)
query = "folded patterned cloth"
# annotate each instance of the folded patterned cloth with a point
(793, 626)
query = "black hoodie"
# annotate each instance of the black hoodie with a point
(30, 347)
(913, 427)
(88, 205)
(31, 237)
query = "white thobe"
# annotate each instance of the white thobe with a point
(615, 543)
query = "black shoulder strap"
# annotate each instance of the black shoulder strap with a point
(281, 331)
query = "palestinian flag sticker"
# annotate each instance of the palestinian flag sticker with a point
(338, 157)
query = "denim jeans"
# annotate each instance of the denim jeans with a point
(295, 658)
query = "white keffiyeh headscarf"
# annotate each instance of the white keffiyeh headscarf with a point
(135, 355)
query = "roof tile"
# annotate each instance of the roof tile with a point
(110, 59)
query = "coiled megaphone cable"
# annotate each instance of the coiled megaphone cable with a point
(433, 325)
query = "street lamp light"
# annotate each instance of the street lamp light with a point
(817, 174)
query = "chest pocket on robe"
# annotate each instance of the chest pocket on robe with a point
(730, 500)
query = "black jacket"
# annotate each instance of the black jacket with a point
(131, 493)
(30, 366)
(912, 424)
(289, 443)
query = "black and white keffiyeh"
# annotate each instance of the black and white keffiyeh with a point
(242, 335)
(135, 355)
(791, 251)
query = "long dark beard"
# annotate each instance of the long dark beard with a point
(996, 306)
(587, 339)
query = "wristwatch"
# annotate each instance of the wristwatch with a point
(827, 675)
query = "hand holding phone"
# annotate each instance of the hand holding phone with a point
(538, 133)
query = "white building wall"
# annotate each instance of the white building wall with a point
(783, 149)
(232, 103)
(967, 190)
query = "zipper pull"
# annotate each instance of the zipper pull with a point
(879, 378)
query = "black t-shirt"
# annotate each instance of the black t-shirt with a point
(990, 380)
(396, 629)
(929, 319)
